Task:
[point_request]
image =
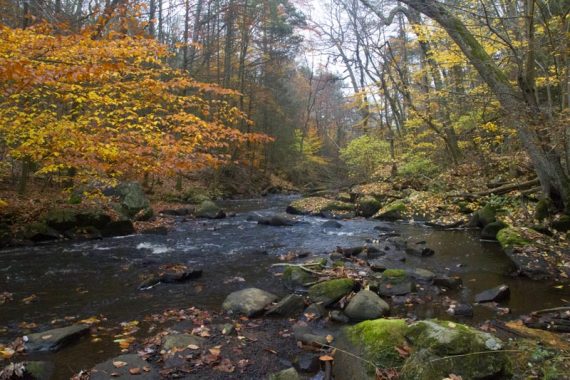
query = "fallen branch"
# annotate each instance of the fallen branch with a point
(553, 310)
(302, 266)
(500, 190)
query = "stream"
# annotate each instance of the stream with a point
(101, 278)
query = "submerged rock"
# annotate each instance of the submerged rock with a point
(366, 305)
(129, 366)
(295, 277)
(181, 341)
(53, 340)
(393, 282)
(331, 224)
(499, 293)
(118, 228)
(367, 206)
(491, 230)
(450, 282)
(251, 301)
(331, 291)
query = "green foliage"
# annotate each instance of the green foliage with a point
(364, 155)
(418, 166)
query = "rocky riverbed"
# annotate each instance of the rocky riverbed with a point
(233, 297)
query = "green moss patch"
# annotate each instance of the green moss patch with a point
(511, 237)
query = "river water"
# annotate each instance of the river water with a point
(78, 280)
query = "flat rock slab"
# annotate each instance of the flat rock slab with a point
(124, 367)
(288, 306)
(53, 340)
(181, 341)
(250, 302)
(499, 293)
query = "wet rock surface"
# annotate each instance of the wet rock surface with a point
(250, 302)
(53, 340)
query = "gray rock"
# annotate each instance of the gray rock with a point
(287, 374)
(366, 305)
(331, 224)
(331, 291)
(107, 370)
(53, 340)
(498, 293)
(491, 230)
(250, 302)
(378, 265)
(181, 341)
(295, 277)
(118, 228)
(289, 306)
(276, 221)
(309, 336)
(461, 310)
(209, 210)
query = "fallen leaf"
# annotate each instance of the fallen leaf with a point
(193, 347)
(215, 351)
(326, 358)
(46, 337)
(225, 366)
(329, 339)
(119, 364)
(135, 371)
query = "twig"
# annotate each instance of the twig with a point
(303, 267)
(563, 308)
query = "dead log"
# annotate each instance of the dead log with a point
(500, 190)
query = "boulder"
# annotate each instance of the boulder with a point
(484, 216)
(307, 363)
(461, 310)
(496, 294)
(276, 221)
(53, 340)
(40, 232)
(375, 342)
(338, 316)
(315, 311)
(286, 374)
(331, 224)
(209, 210)
(251, 301)
(331, 291)
(61, 219)
(456, 348)
(132, 198)
(366, 305)
(393, 282)
(491, 230)
(367, 206)
(460, 345)
(309, 336)
(129, 366)
(392, 211)
(543, 209)
(118, 228)
(289, 306)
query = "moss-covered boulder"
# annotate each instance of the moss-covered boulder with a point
(393, 282)
(344, 197)
(491, 230)
(209, 210)
(132, 198)
(392, 211)
(543, 209)
(61, 219)
(373, 341)
(318, 206)
(512, 237)
(329, 292)
(295, 277)
(38, 232)
(457, 349)
(437, 348)
(367, 206)
(484, 216)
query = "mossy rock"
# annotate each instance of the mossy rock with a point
(195, 196)
(511, 237)
(61, 219)
(492, 229)
(209, 210)
(367, 206)
(457, 349)
(484, 216)
(394, 273)
(329, 292)
(344, 197)
(543, 209)
(133, 198)
(374, 341)
(317, 206)
(295, 277)
(39, 231)
(391, 211)
(562, 224)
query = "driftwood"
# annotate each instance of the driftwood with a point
(501, 189)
